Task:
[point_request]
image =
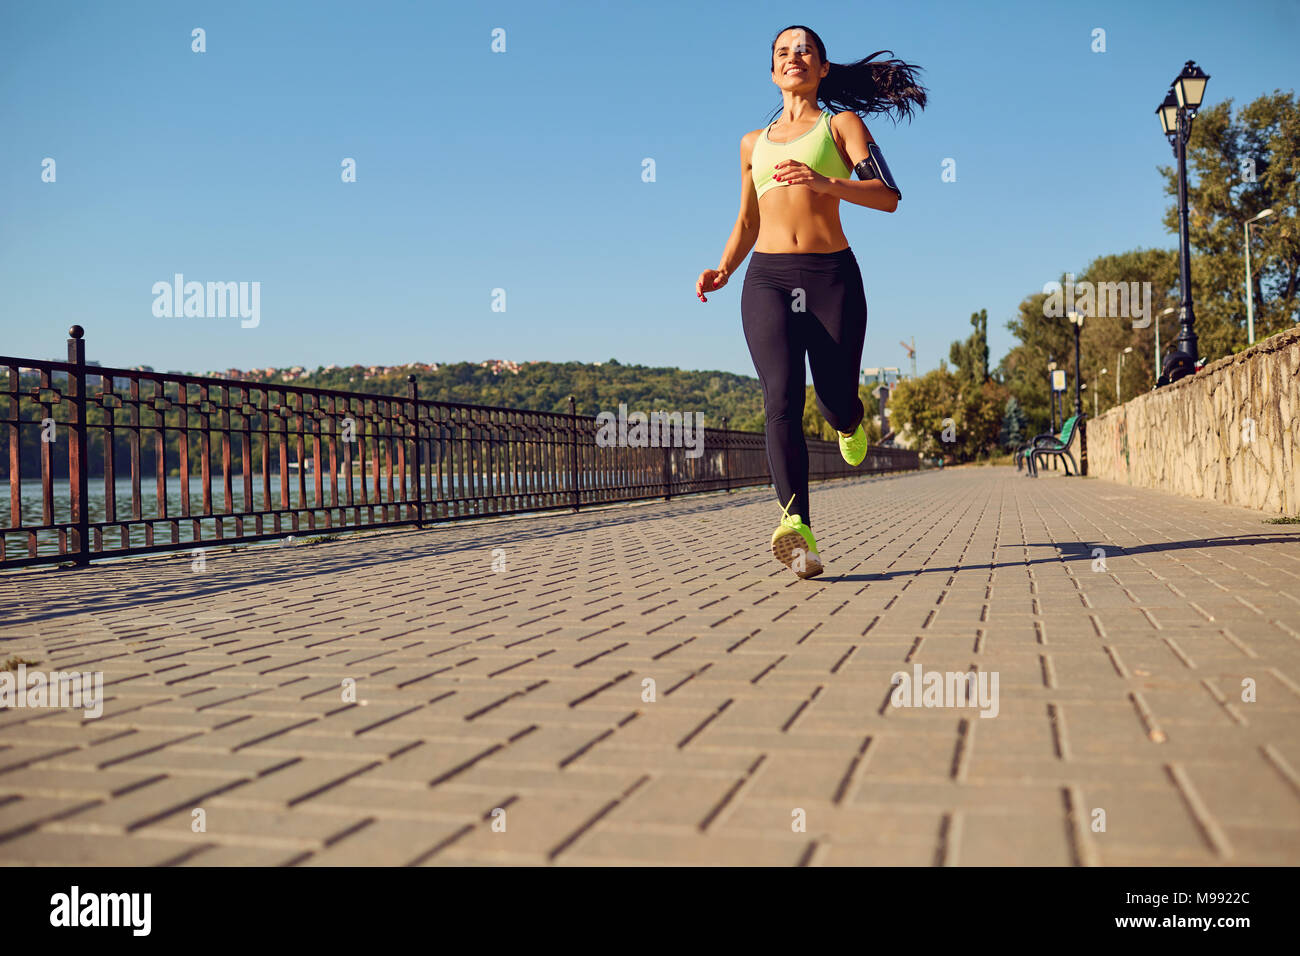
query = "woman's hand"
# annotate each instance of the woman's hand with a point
(791, 172)
(709, 281)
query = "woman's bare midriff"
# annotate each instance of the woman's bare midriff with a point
(796, 219)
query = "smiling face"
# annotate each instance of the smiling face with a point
(796, 66)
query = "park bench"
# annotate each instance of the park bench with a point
(1021, 454)
(1058, 445)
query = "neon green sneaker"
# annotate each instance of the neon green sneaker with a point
(794, 545)
(854, 447)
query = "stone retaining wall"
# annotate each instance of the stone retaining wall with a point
(1230, 433)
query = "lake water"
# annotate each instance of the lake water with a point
(31, 501)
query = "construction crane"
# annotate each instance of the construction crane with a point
(911, 353)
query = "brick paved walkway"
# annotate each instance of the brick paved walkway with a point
(1119, 690)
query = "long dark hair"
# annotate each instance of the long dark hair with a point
(868, 85)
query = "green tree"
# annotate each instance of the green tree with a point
(1023, 369)
(980, 400)
(940, 415)
(1106, 335)
(1014, 423)
(979, 419)
(1046, 335)
(1236, 169)
(815, 426)
(971, 357)
(923, 412)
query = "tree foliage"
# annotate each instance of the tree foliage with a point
(943, 415)
(1237, 168)
(971, 357)
(546, 386)
(815, 426)
(920, 409)
(1014, 425)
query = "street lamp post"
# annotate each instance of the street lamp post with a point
(1250, 286)
(1169, 311)
(1051, 393)
(1094, 394)
(1176, 114)
(1076, 320)
(1119, 370)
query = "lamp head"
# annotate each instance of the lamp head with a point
(1168, 113)
(1189, 85)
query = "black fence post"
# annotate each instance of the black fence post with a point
(78, 453)
(413, 393)
(726, 456)
(667, 474)
(573, 449)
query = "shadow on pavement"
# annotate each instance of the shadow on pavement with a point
(1077, 551)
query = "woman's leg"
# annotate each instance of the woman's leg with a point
(775, 337)
(837, 309)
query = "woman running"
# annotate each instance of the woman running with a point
(803, 291)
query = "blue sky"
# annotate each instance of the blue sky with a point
(522, 170)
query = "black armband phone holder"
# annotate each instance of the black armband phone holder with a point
(875, 167)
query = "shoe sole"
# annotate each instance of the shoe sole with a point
(784, 548)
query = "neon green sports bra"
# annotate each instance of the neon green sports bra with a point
(815, 148)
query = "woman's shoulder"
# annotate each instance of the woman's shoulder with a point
(846, 119)
(847, 126)
(747, 144)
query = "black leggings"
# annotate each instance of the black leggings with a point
(794, 303)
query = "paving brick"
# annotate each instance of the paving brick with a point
(19, 813)
(385, 843)
(463, 804)
(839, 824)
(677, 799)
(239, 855)
(237, 824)
(1020, 840)
(1119, 690)
(297, 781)
(45, 781)
(538, 823)
(868, 854)
(138, 806)
(52, 848)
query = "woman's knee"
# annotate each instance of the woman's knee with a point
(784, 405)
(784, 414)
(843, 410)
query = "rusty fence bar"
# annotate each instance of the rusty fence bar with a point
(236, 461)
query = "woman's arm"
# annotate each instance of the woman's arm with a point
(744, 233)
(871, 193)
